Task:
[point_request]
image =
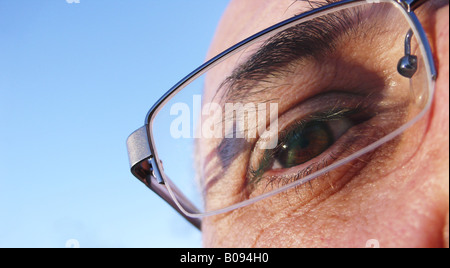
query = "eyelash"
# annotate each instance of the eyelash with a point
(256, 176)
(289, 178)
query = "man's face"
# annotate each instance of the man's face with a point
(397, 194)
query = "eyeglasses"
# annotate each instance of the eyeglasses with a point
(308, 98)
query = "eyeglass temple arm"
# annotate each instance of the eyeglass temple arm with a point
(140, 160)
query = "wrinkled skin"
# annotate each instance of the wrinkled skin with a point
(405, 207)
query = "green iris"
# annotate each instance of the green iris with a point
(303, 144)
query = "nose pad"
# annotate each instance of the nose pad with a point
(407, 66)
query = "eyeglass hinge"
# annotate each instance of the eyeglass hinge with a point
(411, 5)
(151, 174)
(140, 156)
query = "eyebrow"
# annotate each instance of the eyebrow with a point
(312, 39)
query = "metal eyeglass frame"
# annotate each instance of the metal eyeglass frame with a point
(143, 157)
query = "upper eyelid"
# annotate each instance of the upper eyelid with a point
(228, 150)
(311, 111)
(293, 44)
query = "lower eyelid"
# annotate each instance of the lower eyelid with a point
(318, 162)
(347, 144)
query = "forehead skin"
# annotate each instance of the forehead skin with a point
(244, 18)
(406, 208)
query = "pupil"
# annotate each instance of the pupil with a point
(304, 143)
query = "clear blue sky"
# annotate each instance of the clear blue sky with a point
(75, 81)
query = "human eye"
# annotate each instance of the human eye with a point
(306, 144)
(318, 132)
